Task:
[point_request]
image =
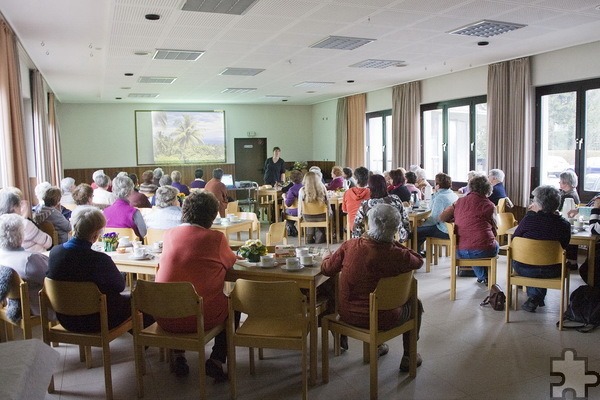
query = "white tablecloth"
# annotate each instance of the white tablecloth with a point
(26, 367)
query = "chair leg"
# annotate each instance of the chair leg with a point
(367, 354)
(428, 250)
(304, 369)
(261, 355)
(139, 373)
(88, 356)
(251, 355)
(51, 388)
(325, 350)
(453, 282)
(202, 373)
(231, 361)
(412, 366)
(373, 369)
(107, 370)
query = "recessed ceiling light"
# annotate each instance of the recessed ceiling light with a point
(118, 98)
(237, 7)
(125, 87)
(238, 90)
(284, 100)
(308, 84)
(350, 81)
(157, 79)
(341, 43)
(486, 28)
(311, 91)
(375, 63)
(152, 17)
(242, 71)
(178, 55)
(143, 95)
(483, 43)
(128, 74)
(141, 53)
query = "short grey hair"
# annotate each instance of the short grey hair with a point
(40, 191)
(421, 173)
(86, 221)
(165, 196)
(97, 173)
(569, 177)
(122, 186)
(12, 230)
(165, 180)
(157, 173)
(102, 181)
(547, 197)
(497, 173)
(8, 201)
(384, 220)
(176, 176)
(123, 173)
(67, 184)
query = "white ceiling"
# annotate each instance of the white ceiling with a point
(84, 47)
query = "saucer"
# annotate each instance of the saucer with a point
(128, 244)
(261, 265)
(144, 257)
(286, 268)
(308, 265)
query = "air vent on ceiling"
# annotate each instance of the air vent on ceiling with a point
(238, 90)
(234, 7)
(308, 84)
(276, 96)
(179, 55)
(242, 71)
(143, 95)
(341, 43)
(486, 28)
(156, 79)
(374, 63)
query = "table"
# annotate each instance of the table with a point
(336, 201)
(416, 217)
(583, 238)
(307, 278)
(233, 227)
(125, 263)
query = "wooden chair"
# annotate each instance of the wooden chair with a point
(154, 235)
(390, 293)
(456, 263)
(537, 252)
(168, 300)
(314, 209)
(129, 232)
(433, 249)
(277, 319)
(502, 204)
(69, 206)
(19, 290)
(232, 207)
(506, 220)
(276, 234)
(267, 200)
(414, 224)
(79, 298)
(255, 224)
(49, 229)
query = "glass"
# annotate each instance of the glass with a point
(388, 143)
(592, 141)
(433, 137)
(375, 143)
(557, 139)
(459, 141)
(481, 138)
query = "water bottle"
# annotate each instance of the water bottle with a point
(415, 200)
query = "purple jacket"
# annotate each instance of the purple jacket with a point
(121, 215)
(290, 196)
(181, 187)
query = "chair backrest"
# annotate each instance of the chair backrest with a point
(129, 232)
(73, 298)
(536, 252)
(154, 235)
(451, 234)
(267, 299)
(232, 207)
(166, 299)
(252, 217)
(506, 220)
(276, 233)
(501, 207)
(315, 208)
(48, 228)
(394, 291)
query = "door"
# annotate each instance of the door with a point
(250, 156)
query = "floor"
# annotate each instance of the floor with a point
(468, 352)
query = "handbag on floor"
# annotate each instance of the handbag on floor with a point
(496, 298)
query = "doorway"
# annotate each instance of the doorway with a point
(250, 156)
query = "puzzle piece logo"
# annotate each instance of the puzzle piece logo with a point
(574, 373)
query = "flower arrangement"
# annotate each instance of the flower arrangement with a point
(300, 165)
(252, 250)
(110, 240)
(181, 198)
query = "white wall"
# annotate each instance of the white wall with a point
(323, 127)
(103, 135)
(567, 65)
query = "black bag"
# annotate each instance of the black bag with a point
(583, 311)
(496, 298)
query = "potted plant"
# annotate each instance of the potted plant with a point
(252, 250)
(110, 241)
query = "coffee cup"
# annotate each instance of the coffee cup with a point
(301, 251)
(292, 262)
(217, 220)
(578, 224)
(138, 251)
(267, 260)
(124, 241)
(306, 260)
(157, 246)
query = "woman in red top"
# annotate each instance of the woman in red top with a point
(192, 252)
(474, 216)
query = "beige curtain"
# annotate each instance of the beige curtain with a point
(355, 154)
(510, 129)
(406, 130)
(341, 127)
(40, 127)
(54, 143)
(13, 158)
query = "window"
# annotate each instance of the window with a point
(379, 141)
(454, 137)
(568, 134)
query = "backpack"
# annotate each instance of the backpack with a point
(583, 312)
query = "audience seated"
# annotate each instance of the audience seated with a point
(399, 189)
(313, 191)
(11, 201)
(411, 184)
(349, 181)
(137, 199)
(49, 210)
(176, 177)
(496, 178)
(156, 175)
(218, 188)
(470, 175)
(167, 213)
(121, 214)
(198, 182)
(147, 187)
(67, 185)
(291, 199)
(353, 197)
(101, 193)
(337, 173)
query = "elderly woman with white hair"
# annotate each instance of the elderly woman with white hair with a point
(365, 260)
(496, 178)
(31, 267)
(75, 261)
(11, 202)
(67, 185)
(167, 213)
(121, 214)
(101, 193)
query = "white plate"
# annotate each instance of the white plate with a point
(286, 268)
(308, 265)
(144, 257)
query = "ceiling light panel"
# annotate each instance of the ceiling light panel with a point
(238, 90)
(341, 43)
(177, 55)
(233, 7)
(157, 79)
(276, 96)
(143, 95)
(309, 84)
(486, 28)
(241, 71)
(374, 63)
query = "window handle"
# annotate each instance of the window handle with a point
(444, 146)
(472, 146)
(579, 143)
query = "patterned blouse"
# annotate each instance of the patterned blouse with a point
(366, 205)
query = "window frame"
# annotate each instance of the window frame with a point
(374, 114)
